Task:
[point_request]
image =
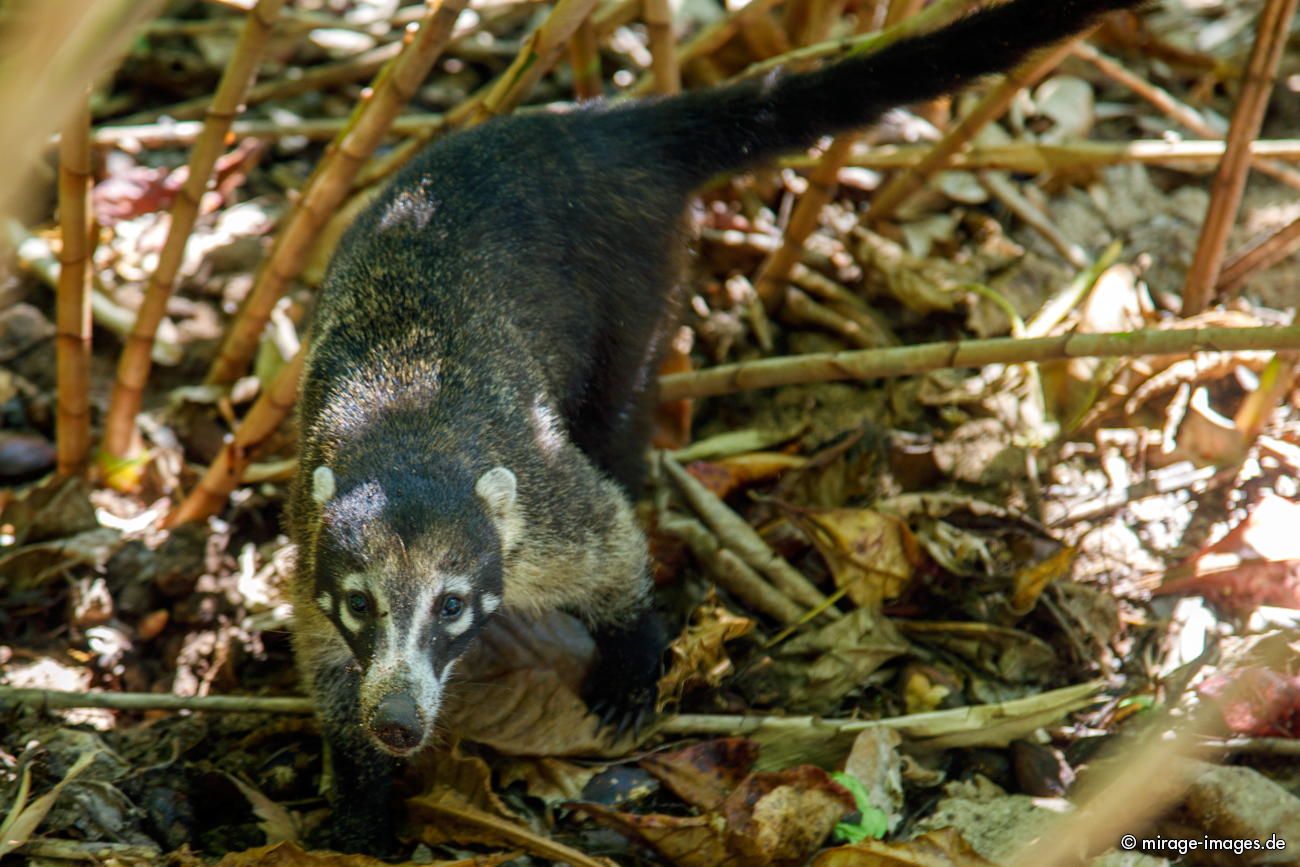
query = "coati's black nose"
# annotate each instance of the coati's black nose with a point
(397, 722)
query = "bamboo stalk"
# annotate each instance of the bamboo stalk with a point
(1002, 188)
(667, 73)
(270, 409)
(770, 282)
(708, 40)
(584, 57)
(1230, 180)
(1257, 256)
(72, 334)
(907, 360)
(1175, 110)
(1033, 157)
(331, 180)
(893, 194)
(134, 364)
(539, 53)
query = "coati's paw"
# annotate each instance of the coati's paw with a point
(620, 704)
(623, 687)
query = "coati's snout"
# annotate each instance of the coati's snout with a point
(408, 572)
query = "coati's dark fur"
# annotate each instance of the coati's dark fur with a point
(502, 305)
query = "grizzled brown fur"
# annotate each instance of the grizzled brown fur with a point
(480, 377)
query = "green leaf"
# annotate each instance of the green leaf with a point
(872, 821)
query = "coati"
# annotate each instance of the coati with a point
(475, 403)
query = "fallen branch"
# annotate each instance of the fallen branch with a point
(948, 724)
(54, 699)
(135, 363)
(1230, 180)
(907, 360)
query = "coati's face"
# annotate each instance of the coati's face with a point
(408, 569)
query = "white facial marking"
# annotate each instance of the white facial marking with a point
(354, 583)
(490, 601)
(546, 427)
(460, 624)
(322, 485)
(497, 487)
(326, 602)
(458, 584)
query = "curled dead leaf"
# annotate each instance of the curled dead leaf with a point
(871, 554)
(778, 818)
(698, 655)
(703, 774)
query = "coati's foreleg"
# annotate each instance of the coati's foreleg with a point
(577, 546)
(360, 775)
(623, 685)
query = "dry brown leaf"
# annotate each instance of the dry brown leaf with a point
(702, 775)
(444, 816)
(23, 818)
(698, 656)
(770, 819)
(277, 823)
(724, 477)
(687, 841)
(945, 848)
(468, 775)
(1030, 582)
(521, 691)
(817, 669)
(874, 555)
(551, 780)
(291, 855)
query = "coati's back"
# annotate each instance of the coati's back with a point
(475, 399)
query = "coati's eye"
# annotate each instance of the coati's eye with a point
(452, 606)
(358, 603)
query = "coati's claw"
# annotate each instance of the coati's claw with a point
(627, 710)
(623, 687)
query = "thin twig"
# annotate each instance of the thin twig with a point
(1172, 108)
(1257, 256)
(55, 699)
(1034, 157)
(166, 134)
(729, 570)
(1230, 180)
(539, 53)
(332, 179)
(72, 334)
(735, 533)
(134, 363)
(992, 106)
(907, 360)
(770, 282)
(225, 473)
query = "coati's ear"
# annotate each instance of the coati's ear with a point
(496, 487)
(322, 485)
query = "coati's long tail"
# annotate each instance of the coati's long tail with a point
(723, 129)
